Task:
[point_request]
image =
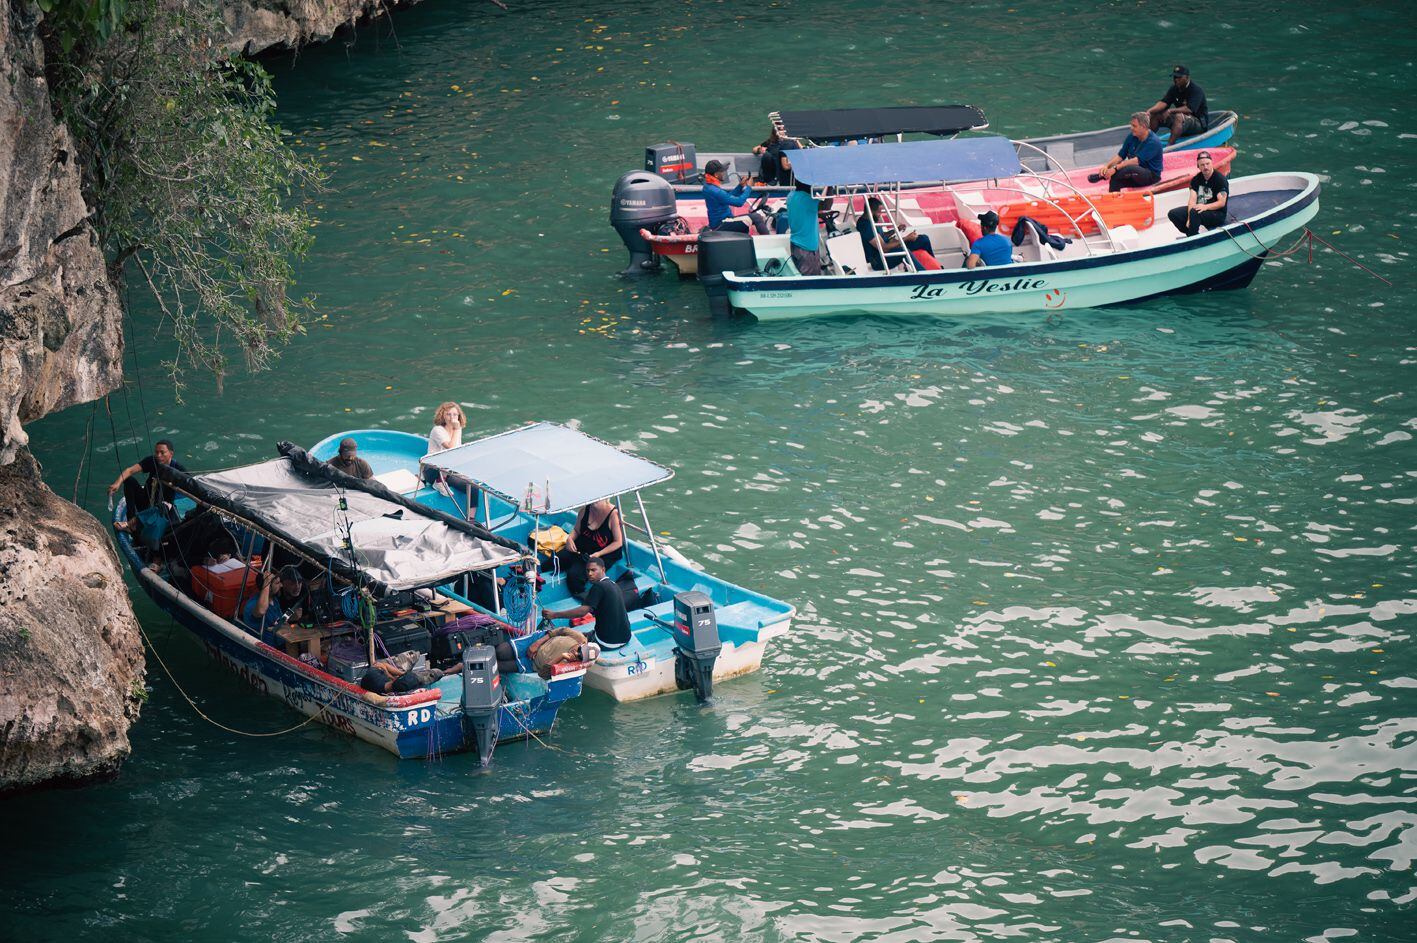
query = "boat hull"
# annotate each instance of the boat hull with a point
(411, 726)
(635, 679)
(1223, 258)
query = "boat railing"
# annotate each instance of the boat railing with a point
(1096, 213)
(1047, 158)
(1074, 220)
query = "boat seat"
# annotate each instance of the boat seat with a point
(848, 253)
(747, 614)
(767, 248)
(1033, 249)
(948, 241)
(1125, 237)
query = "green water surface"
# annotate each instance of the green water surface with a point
(1105, 622)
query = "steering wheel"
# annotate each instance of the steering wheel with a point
(828, 216)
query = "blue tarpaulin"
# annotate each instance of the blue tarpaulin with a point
(579, 468)
(954, 161)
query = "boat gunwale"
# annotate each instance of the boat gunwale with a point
(1301, 200)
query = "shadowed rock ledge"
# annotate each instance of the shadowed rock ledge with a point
(260, 25)
(71, 660)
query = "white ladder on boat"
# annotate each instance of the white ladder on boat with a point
(886, 230)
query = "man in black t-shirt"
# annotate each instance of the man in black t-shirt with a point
(1182, 109)
(140, 497)
(1206, 201)
(603, 600)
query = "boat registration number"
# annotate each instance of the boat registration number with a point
(419, 716)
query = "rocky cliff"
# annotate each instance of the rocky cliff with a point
(260, 25)
(71, 661)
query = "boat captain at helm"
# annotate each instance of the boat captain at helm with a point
(603, 600)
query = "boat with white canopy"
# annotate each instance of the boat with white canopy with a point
(1114, 248)
(689, 629)
(382, 574)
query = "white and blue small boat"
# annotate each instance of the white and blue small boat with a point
(1100, 265)
(489, 479)
(371, 545)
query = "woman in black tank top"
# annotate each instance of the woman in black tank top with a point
(606, 541)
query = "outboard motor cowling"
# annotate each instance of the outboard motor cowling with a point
(696, 643)
(641, 200)
(678, 163)
(724, 251)
(482, 697)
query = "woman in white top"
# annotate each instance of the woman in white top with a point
(448, 424)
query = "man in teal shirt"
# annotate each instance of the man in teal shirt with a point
(806, 238)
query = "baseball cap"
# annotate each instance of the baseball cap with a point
(1179, 71)
(1205, 154)
(347, 445)
(990, 218)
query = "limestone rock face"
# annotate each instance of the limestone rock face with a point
(71, 658)
(258, 25)
(61, 327)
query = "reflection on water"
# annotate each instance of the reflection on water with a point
(1105, 620)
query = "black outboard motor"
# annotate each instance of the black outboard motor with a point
(642, 200)
(724, 251)
(677, 163)
(482, 696)
(696, 644)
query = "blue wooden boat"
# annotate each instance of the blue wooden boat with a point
(448, 717)
(569, 469)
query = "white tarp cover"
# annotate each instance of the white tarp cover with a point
(579, 467)
(392, 544)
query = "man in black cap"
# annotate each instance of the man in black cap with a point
(990, 248)
(349, 462)
(1182, 109)
(1205, 203)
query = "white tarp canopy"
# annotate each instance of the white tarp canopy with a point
(392, 544)
(579, 468)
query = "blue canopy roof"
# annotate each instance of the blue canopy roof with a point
(579, 468)
(953, 161)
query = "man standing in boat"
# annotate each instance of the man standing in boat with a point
(1138, 163)
(1183, 108)
(805, 229)
(1205, 204)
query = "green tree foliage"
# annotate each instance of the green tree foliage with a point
(74, 22)
(196, 190)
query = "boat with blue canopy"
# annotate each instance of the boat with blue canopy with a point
(682, 164)
(689, 629)
(1100, 249)
(385, 578)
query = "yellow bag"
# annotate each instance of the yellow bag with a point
(550, 539)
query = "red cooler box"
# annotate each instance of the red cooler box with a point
(221, 585)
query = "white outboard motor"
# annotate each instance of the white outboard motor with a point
(696, 643)
(482, 697)
(642, 200)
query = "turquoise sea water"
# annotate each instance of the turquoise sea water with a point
(1106, 622)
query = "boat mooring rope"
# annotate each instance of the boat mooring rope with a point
(1308, 236)
(200, 713)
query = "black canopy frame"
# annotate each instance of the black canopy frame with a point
(845, 124)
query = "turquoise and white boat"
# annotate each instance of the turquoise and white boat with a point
(1101, 265)
(538, 475)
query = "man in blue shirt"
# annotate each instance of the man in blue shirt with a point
(263, 610)
(802, 222)
(720, 202)
(991, 248)
(1139, 162)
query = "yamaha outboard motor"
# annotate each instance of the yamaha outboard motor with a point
(678, 163)
(642, 200)
(482, 696)
(696, 644)
(724, 251)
